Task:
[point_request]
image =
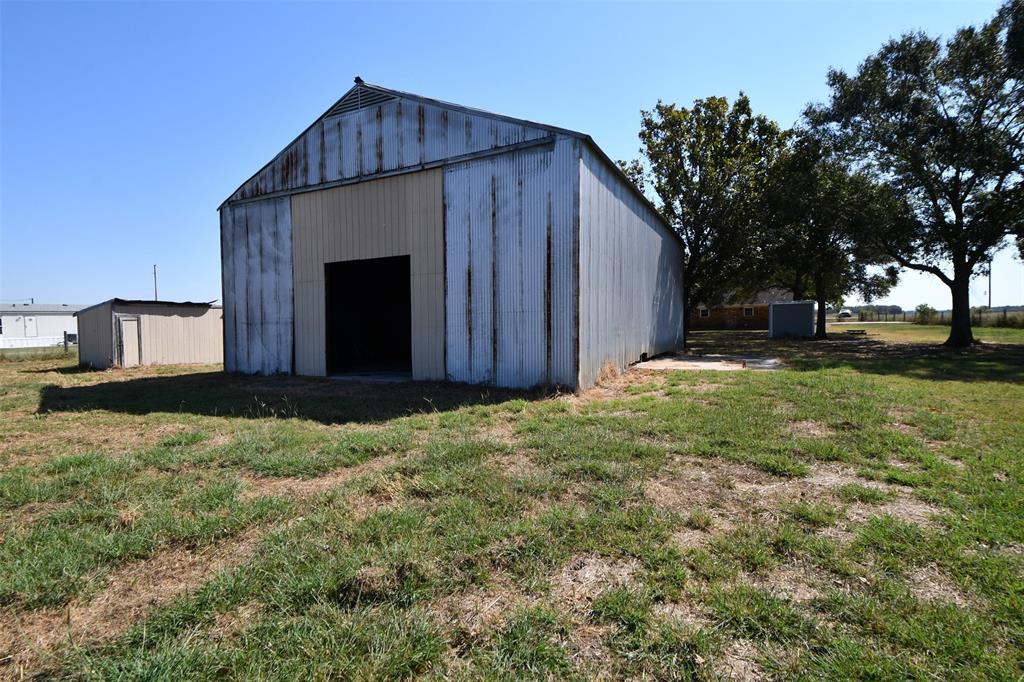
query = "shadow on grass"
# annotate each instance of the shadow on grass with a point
(231, 395)
(985, 362)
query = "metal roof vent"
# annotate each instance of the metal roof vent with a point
(359, 98)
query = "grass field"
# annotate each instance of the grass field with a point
(859, 514)
(901, 332)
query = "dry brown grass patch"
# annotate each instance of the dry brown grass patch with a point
(478, 609)
(127, 596)
(807, 428)
(738, 661)
(796, 582)
(908, 510)
(930, 583)
(306, 487)
(584, 577)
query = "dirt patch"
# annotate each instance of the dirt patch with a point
(689, 538)
(587, 644)
(306, 487)
(615, 384)
(809, 429)
(517, 464)
(479, 609)
(585, 577)
(703, 483)
(738, 661)
(796, 582)
(930, 583)
(907, 510)
(230, 624)
(501, 431)
(128, 594)
(684, 612)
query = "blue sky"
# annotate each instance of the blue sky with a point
(124, 125)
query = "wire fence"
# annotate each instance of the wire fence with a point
(979, 317)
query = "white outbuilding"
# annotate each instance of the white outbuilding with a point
(36, 325)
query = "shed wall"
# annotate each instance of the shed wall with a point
(96, 337)
(630, 275)
(394, 216)
(509, 245)
(178, 336)
(791, 319)
(256, 271)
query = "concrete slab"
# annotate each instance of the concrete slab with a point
(372, 377)
(718, 363)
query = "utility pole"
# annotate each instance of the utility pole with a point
(990, 285)
(155, 297)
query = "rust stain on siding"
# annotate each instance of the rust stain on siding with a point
(421, 130)
(323, 154)
(378, 150)
(494, 277)
(469, 291)
(548, 271)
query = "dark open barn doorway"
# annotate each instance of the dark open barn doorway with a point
(369, 316)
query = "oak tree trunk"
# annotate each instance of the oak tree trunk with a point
(960, 335)
(819, 328)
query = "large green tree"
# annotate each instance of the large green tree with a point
(943, 125)
(707, 165)
(820, 228)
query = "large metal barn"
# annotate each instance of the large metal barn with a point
(403, 234)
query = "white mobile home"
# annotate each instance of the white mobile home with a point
(404, 233)
(123, 333)
(34, 325)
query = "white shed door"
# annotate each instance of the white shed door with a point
(129, 342)
(31, 328)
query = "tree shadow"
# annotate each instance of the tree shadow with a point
(984, 362)
(231, 395)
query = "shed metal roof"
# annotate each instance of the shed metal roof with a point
(169, 304)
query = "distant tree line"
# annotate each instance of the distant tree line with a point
(915, 162)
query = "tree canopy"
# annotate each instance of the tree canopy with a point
(820, 226)
(943, 125)
(706, 165)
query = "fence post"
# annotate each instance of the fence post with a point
(65, 342)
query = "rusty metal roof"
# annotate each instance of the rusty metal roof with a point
(362, 95)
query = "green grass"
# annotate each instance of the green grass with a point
(906, 332)
(857, 515)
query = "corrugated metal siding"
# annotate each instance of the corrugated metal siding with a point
(179, 336)
(96, 337)
(630, 275)
(401, 133)
(509, 236)
(394, 216)
(256, 248)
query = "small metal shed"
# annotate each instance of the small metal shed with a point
(127, 333)
(794, 318)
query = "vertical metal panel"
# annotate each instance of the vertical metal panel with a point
(257, 274)
(400, 133)
(227, 257)
(96, 337)
(510, 289)
(394, 216)
(630, 275)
